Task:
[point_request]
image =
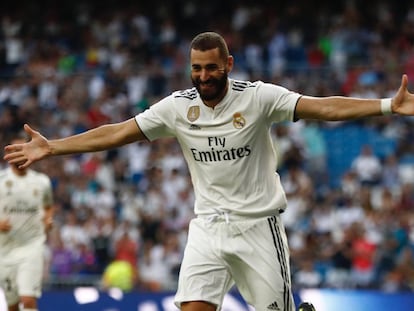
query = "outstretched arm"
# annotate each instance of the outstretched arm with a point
(101, 138)
(336, 108)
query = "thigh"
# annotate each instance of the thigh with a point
(29, 275)
(198, 306)
(8, 283)
(260, 266)
(204, 275)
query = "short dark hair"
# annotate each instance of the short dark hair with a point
(210, 40)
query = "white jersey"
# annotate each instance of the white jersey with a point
(22, 201)
(228, 149)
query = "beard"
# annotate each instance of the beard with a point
(216, 87)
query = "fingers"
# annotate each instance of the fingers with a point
(12, 148)
(5, 225)
(16, 157)
(404, 81)
(27, 128)
(23, 164)
(30, 131)
(20, 162)
(12, 152)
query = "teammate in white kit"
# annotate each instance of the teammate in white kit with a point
(223, 127)
(26, 214)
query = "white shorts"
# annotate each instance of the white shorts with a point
(251, 254)
(22, 275)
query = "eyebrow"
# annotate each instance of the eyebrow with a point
(207, 67)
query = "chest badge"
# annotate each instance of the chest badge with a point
(193, 113)
(238, 120)
(9, 185)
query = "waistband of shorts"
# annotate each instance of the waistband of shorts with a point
(227, 217)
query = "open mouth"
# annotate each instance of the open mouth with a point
(207, 85)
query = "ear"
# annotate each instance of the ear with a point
(230, 63)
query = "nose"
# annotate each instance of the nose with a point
(204, 74)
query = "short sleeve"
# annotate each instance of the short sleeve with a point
(277, 102)
(158, 121)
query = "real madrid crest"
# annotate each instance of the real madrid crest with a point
(9, 185)
(193, 113)
(238, 120)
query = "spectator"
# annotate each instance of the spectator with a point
(102, 249)
(155, 274)
(367, 167)
(72, 233)
(126, 249)
(61, 263)
(306, 276)
(363, 253)
(84, 261)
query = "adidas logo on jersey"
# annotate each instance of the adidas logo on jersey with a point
(194, 127)
(273, 306)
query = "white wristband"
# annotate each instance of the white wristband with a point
(386, 106)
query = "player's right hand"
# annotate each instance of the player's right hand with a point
(5, 225)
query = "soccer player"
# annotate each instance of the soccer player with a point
(26, 214)
(223, 127)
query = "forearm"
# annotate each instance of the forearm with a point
(337, 108)
(48, 217)
(101, 138)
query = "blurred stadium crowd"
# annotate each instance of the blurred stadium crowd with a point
(68, 66)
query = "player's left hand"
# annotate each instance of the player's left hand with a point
(403, 101)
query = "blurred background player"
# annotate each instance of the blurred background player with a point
(26, 214)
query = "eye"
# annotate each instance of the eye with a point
(212, 68)
(196, 68)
